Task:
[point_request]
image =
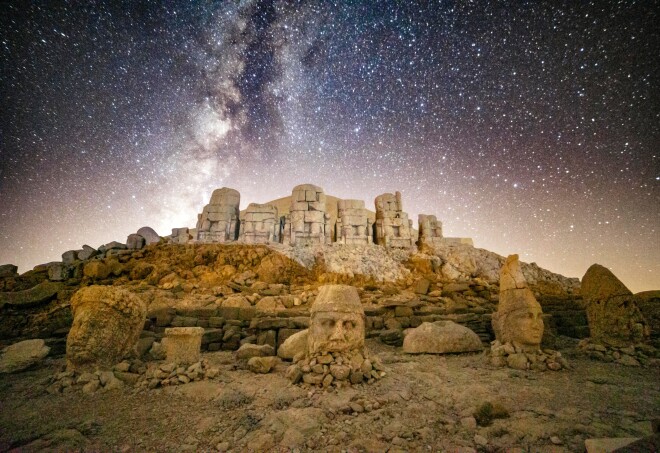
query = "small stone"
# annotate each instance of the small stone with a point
(91, 386)
(324, 359)
(517, 361)
(355, 407)
(356, 377)
(327, 380)
(183, 379)
(123, 366)
(469, 422)
(340, 372)
(262, 365)
(480, 440)
(556, 440)
(294, 374)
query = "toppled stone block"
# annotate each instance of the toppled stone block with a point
(441, 337)
(183, 344)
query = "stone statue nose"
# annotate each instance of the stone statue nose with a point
(338, 332)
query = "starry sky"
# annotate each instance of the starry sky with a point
(532, 127)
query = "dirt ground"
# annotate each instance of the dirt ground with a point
(425, 403)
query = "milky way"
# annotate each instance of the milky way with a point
(532, 127)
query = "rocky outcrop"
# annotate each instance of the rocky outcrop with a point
(441, 337)
(107, 322)
(22, 355)
(614, 318)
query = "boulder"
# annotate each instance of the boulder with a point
(294, 345)
(96, 270)
(70, 256)
(87, 252)
(107, 322)
(149, 235)
(262, 365)
(441, 337)
(134, 242)
(41, 293)
(612, 312)
(247, 351)
(22, 355)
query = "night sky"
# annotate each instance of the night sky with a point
(532, 127)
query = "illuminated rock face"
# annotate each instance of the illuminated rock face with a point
(107, 322)
(260, 224)
(353, 224)
(337, 323)
(430, 230)
(308, 222)
(612, 312)
(518, 319)
(219, 219)
(393, 228)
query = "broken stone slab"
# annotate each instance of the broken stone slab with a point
(183, 344)
(149, 234)
(39, 294)
(607, 444)
(262, 365)
(22, 355)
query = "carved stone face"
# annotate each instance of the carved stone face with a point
(525, 327)
(336, 332)
(337, 321)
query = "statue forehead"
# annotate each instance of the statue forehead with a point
(336, 314)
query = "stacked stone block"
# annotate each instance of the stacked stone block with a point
(430, 230)
(393, 228)
(260, 224)
(353, 224)
(219, 219)
(308, 222)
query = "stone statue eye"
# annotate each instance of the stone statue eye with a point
(349, 324)
(329, 323)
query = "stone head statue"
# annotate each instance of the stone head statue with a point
(337, 323)
(519, 318)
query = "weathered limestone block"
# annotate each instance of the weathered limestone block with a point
(307, 222)
(39, 294)
(219, 219)
(182, 235)
(22, 355)
(441, 337)
(135, 242)
(612, 312)
(294, 345)
(353, 224)
(260, 224)
(393, 228)
(107, 322)
(430, 230)
(183, 344)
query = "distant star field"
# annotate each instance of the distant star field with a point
(532, 127)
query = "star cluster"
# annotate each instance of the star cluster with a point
(532, 127)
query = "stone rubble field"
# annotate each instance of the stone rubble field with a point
(424, 403)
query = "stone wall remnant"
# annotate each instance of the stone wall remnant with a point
(219, 220)
(430, 230)
(182, 235)
(260, 224)
(353, 224)
(307, 222)
(393, 228)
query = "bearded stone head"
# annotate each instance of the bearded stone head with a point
(337, 321)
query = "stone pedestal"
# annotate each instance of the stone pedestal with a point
(183, 344)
